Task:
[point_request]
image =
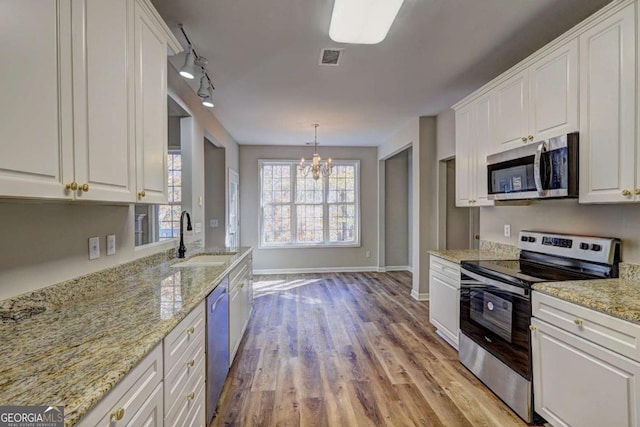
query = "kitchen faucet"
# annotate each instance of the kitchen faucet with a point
(182, 249)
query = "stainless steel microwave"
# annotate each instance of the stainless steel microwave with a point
(545, 169)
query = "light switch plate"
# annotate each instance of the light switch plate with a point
(94, 247)
(111, 244)
(197, 228)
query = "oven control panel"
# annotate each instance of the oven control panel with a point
(595, 249)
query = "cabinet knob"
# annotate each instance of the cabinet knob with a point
(637, 191)
(524, 139)
(190, 363)
(530, 137)
(83, 187)
(72, 186)
(532, 328)
(190, 330)
(191, 396)
(626, 193)
(117, 415)
(578, 322)
(141, 194)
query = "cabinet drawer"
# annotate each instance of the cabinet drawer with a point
(192, 396)
(446, 268)
(190, 365)
(615, 334)
(130, 394)
(239, 273)
(178, 340)
(196, 417)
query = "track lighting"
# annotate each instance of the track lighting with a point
(193, 61)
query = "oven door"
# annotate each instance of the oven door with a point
(496, 316)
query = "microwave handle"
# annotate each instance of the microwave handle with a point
(537, 170)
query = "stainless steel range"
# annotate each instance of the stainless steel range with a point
(495, 307)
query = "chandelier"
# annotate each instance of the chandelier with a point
(317, 167)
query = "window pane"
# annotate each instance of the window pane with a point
(276, 185)
(164, 213)
(342, 184)
(342, 223)
(308, 190)
(309, 223)
(277, 224)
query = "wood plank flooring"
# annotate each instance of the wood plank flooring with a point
(350, 349)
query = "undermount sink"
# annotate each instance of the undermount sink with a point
(205, 261)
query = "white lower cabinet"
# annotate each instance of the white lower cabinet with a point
(579, 382)
(444, 298)
(240, 304)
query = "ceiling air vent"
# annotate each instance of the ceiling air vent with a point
(330, 56)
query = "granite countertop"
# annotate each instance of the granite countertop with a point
(616, 297)
(75, 354)
(487, 251)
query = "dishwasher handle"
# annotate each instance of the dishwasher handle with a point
(215, 304)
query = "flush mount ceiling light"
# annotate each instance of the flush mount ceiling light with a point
(192, 62)
(362, 21)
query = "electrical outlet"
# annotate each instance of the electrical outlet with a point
(94, 247)
(197, 227)
(507, 230)
(111, 244)
(213, 223)
(367, 254)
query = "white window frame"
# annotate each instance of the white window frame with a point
(325, 209)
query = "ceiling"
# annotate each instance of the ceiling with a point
(263, 61)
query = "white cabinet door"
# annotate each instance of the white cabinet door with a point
(580, 384)
(608, 109)
(104, 144)
(151, 107)
(444, 306)
(151, 413)
(464, 156)
(482, 144)
(511, 112)
(36, 157)
(553, 84)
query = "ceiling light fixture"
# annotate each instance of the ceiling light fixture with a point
(362, 21)
(193, 61)
(316, 167)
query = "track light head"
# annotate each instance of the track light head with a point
(208, 101)
(188, 70)
(204, 84)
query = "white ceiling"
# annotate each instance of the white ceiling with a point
(263, 61)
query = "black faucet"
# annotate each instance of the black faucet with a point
(182, 249)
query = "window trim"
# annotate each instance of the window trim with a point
(325, 206)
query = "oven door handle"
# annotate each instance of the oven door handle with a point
(495, 283)
(537, 170)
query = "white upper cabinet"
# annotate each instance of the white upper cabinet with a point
(473, 137)
(83, 86)
(539, 102)
(36, 153)
(151, 106)
(104, 144)
(608, 110)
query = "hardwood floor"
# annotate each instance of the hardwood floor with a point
(350, 349)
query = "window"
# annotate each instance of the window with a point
(298, 211)
(169, 215)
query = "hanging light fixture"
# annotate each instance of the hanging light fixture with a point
(188, 71)
(316, 167)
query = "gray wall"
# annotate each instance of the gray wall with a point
(215, 195)
(271, 259)
(397, 210)
(458, 220)
(446, 134)
(428, 201)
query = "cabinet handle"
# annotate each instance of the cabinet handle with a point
(191, 396)
(83, 187)
(626, 193)
(532, 328)
(190, 330)
(578, 322)
(524, 139)
(190, 363)
(141, 194)
(117, 415)
(530, 137)
(72, 186)
(637, 191)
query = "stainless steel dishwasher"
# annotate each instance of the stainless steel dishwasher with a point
(217, 344)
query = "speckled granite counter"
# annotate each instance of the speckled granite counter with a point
(616, 297)
(73, 354)
(488, 250)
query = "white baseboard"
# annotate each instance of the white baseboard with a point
(420, 296)
(314, 270)
(398, 268)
